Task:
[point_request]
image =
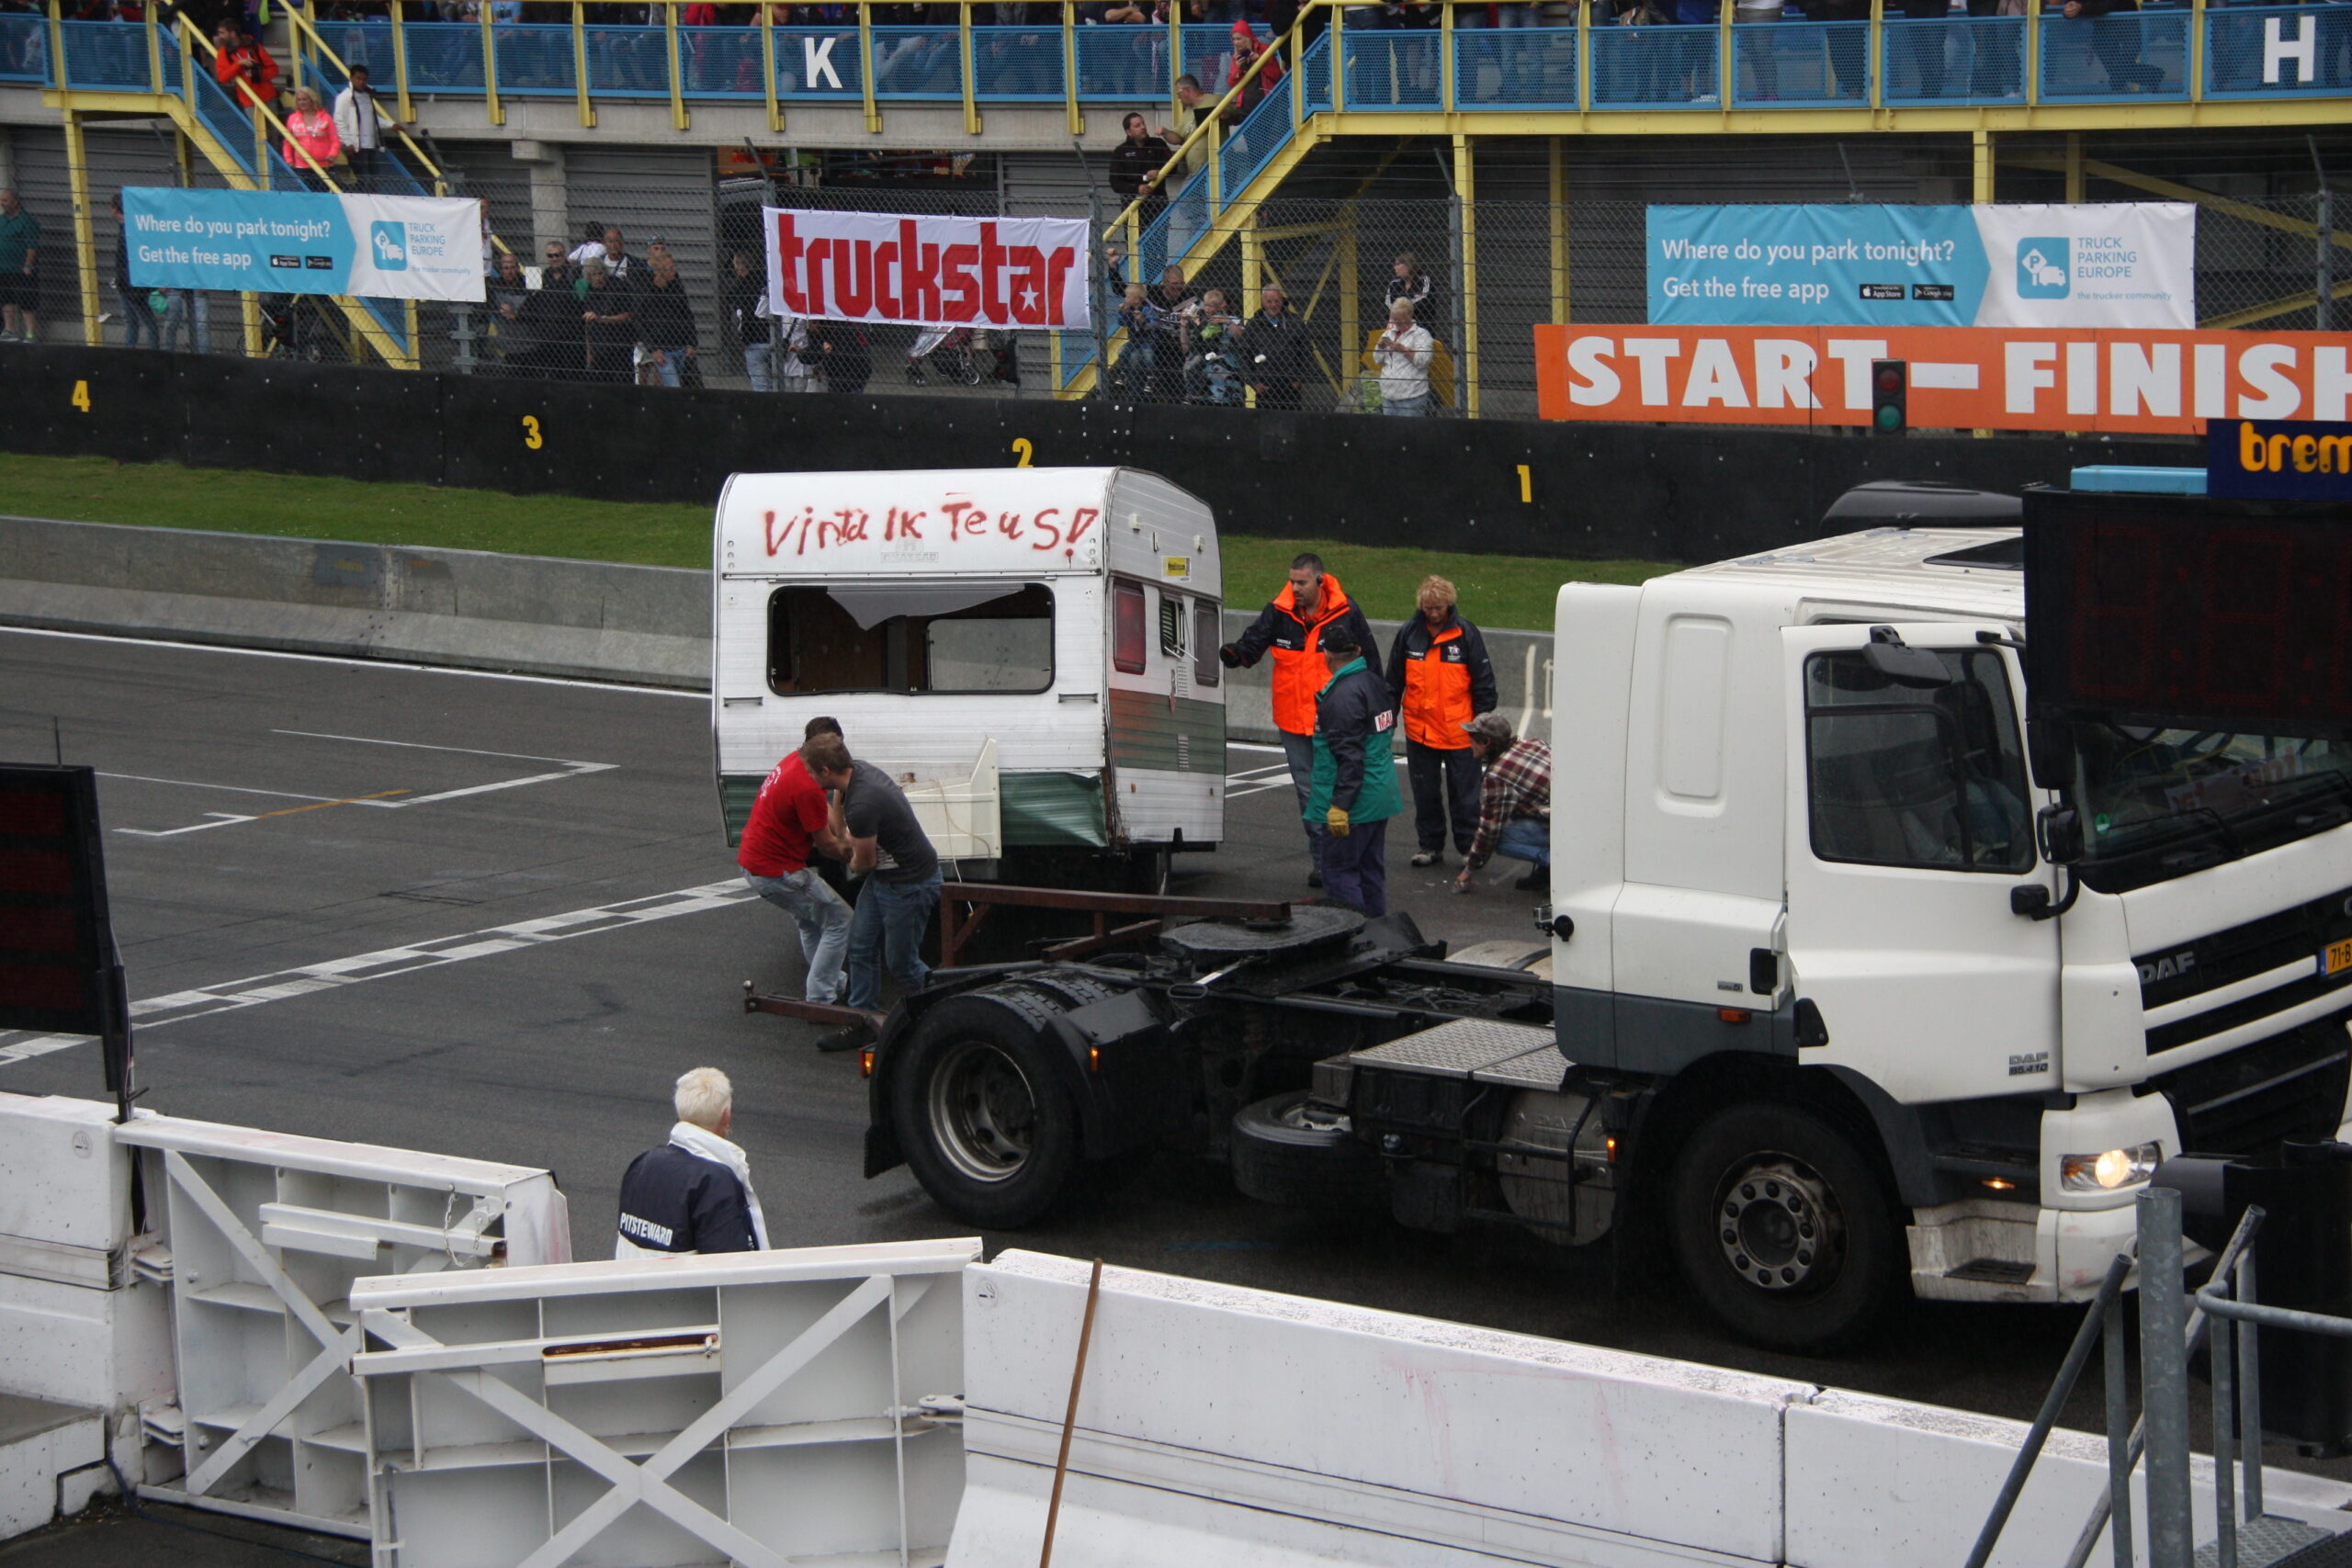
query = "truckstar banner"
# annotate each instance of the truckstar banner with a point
(2109, 264)
(1002, 273)
(1961, 377)
(287, 242)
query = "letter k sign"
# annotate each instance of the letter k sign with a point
(817, 55)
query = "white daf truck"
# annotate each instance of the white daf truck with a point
(1841, 994)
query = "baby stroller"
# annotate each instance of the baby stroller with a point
(956, 352)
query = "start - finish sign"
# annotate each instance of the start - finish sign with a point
(1003, 273)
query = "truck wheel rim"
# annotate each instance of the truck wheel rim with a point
(1778, 1224)
(983, 1113)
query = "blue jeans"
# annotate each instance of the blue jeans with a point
(137, 320)
(823, 920)
(1407, 408)
(668, 367)
(1524, 837)
(756, 365)
(1355, 867)
(1298, 751)
(886, 929)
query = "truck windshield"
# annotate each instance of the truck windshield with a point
(962, 638)
(2157, 803)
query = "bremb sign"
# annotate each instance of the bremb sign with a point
(1003, 273)
(283, 242)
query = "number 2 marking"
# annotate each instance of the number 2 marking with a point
(1526, 484)
(81, 398)
(531, 436)
(1023, 450)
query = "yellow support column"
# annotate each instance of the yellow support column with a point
(1559, 234)
(1584, 56)
(85, 241)
(57, 48)
(1351, 299)
(400, 63)
(866, 66)
(1338, 58)
(2033, 52)
(670, 41)
(1466, 191)
(767, 69)
(154, 52)
(1252, 270)
(490, 70)
(1727, 69)
(579, 68)
(1175, 59)
(1980, 150)
(2074, 167)
(1075, 121)
(2196, 52)
(1875, 67)
(1445, 47)
(963, 50)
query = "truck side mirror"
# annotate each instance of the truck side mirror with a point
(2050, 752)
(2060, 829)
(1901, 664)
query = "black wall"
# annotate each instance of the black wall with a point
(1598, 490)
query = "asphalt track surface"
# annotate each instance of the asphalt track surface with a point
(495, 917)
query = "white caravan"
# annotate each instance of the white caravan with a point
(1033, 651)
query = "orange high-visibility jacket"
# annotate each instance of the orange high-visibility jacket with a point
(1298, 662)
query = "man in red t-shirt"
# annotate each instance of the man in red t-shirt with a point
(790, 819)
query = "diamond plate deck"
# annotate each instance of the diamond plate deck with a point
(1543, 1067)
(1462, 1049)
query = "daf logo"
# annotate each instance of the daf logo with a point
(2171, 966)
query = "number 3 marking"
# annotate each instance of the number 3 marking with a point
(80, 397)
(531, 436)
(1023, 450)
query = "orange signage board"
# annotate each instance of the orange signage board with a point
(2112, 380)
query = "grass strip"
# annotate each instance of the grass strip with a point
(1496, 591)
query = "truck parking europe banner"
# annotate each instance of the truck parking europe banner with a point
(2113, 381)
(1002, 273)
(2106, 264)
(287, 242)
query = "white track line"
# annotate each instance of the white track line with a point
(179, 1005)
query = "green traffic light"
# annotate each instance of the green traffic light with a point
(1889, 418)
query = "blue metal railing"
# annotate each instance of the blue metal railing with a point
(24, 47)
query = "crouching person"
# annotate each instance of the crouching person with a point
(694, 1193)
(1514, 803)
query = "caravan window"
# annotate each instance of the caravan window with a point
(948, 637)
(1205, 641)
(1127, 628)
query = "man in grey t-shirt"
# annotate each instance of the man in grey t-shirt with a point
(901, 870)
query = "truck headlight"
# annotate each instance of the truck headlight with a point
(2112, 1171)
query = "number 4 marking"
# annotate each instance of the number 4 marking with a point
(81, 398)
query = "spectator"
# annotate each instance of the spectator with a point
(1212, 337)
(1275, 354)
(310, 129)
(694, 1193)
(1409, 282)
(1354, 792)
(138, 316)
(1441, 677)
(1927, 43)
(607, 311)
(2115, 39)
(887, 847)
(550, 318)
(619, 262)
(508, 295)
(1514, 804)
(1763, 64)
(1291, 626)
(19, 271)
(1401, 354)
(843, 355)
(744, 319)
(1183, 225)
(361, 132)
(592, 244)
(1174, 302)
(1136, 163)
(665, 320)
(244, 67)
(790, 824)
(1139, 318)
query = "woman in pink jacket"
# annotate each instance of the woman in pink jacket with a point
(311, 129)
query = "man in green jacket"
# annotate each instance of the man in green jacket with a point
(1353, 792)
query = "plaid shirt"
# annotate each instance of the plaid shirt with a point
(1518, 783)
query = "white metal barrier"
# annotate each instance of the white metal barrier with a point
(257, 1237)
(761, 1408)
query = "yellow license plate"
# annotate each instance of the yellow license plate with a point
(2336, 957)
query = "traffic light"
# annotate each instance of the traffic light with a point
(1890, 394)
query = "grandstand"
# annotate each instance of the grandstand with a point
(1513, 161)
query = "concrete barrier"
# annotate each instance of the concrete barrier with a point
(474, 609)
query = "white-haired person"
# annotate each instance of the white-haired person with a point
(694, 1193)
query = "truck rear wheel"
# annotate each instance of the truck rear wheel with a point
(1784, 1228)
(980, 1110)
(1283, 1153)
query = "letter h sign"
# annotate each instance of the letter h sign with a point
(2278, 49)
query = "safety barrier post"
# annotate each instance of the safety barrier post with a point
(866, 66)
(2033, 54)
(1876, 65)
(579, 66)
(1465, 193)
(1077, 122)
(490, 69)
(677, 87)
(2196, 52)
(400, 61)
(1559, 194)
(964, 50)
(767, 67)
(1446, 46)
(2163, 1379)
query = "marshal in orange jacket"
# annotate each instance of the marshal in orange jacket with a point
(1442, 678)
(1298, 662)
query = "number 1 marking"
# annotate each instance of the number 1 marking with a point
(1526, 484)
(81, 398)
(1023, 450)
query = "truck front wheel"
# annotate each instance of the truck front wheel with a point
(988, 1126)
(1784, 1228)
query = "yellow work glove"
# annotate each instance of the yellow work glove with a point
(1336, 821)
